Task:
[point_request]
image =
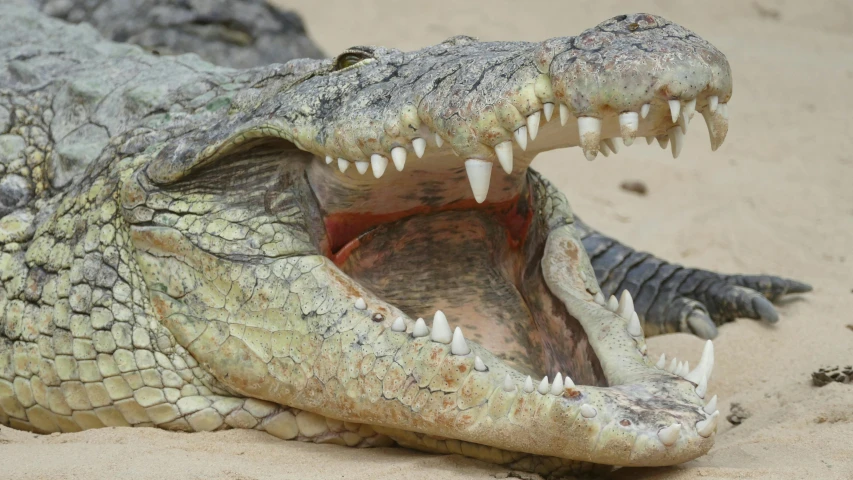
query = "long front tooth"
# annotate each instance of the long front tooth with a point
(565, 114)
(528, 384)
(479, 175)
(399, 325)
(677, 136)
(705, 366)
(702, 388)
(644, 110)
(343, 165)
(378, 164)
(533, 124)
(478, 364)
(548, 108)
(674, 109)
(626, 305)
(706, 427)
(419, 145)
(557, 386)
(509, 385)
(544, 386)
(420, 329)
(718, 124)
(711, 406)
(629, 122)
(669, 435)
(520, 135)
(661, 362)
(713, 100)
(398, 155)
(589, 130)
(440, 329)
(504, 152)
(362, 166)
(458, 345)
(634, 327)
(438, 140)
(329, 159)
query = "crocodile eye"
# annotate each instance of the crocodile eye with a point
(350, 58)
(633, 26)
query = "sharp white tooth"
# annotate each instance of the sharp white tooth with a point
(626, 305)
(629, 122)
(378, 164)
(612, 303)
(438, 140)
(399, 325)
(509, 385)
(702, 388)
(650, 139)
(440, 329)
(689, 109)
(360, 304)
(420, 329)
(683, 122)
(589, 130)
(528, 384)
(329, 159)
(669, 435)
(568, 382)
(458, 345)
(677, 137)
(544, 386)
(478, 364)
(479, 175)
(504, 152)
(398, 155)
(643, 348)
(713, 100)
(705, 366)
(663, 141)
(533, 124)
(343, 165)
(644, 110)
(707, 427)
(685, 369)
(711, 405)
(548, 108)
(557, 386)
(672, 365)
(588, 411)
(521, 137)
(362, 167)
(564, 114)
(599, 299)
(419, 145)
(718, 125)
(634, 327)
(602, 149)
(674, 109)
(661, 361)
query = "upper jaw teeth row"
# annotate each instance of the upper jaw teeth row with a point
(589, 129)
(441, 333)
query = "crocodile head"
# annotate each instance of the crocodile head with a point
(316, 247)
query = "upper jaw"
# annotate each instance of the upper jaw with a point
(633, 75)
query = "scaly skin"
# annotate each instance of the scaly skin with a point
(174, 254)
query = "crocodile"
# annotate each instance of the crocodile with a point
(196, 247)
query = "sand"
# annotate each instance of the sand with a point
(777, 197)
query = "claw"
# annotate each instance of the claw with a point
(701, 325)
(765, 309)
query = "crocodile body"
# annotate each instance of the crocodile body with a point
(197, 247)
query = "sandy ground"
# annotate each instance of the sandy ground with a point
(777, 197)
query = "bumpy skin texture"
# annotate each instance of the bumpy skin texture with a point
(234, 33)
(160, 265)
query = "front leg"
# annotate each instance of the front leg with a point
(673, 298)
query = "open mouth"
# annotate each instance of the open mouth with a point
(442, 294)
